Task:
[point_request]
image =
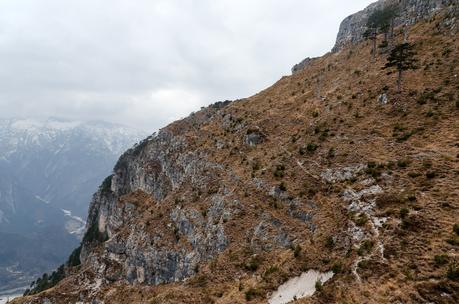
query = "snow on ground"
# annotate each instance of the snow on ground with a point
(75, 224)
(299, 287)
(41, 199)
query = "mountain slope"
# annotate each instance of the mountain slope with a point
(330, 169)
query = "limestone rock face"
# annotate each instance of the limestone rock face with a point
(410, 11)
(134, 251)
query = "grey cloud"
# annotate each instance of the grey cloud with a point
(145, 63)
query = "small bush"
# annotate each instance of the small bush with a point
(279, 171)
(311, 147)
(363, 264)
(453, 241)
(426, 96)
(271, 270)
(402, 163)
(365, 247)
(441, 259)
(361, 220)
(453, 270)
(331, 153)
(330, 242)
(74, 258)
(319, 285)
(414, 174)
(337, 267)
(296, 251)
(430, 174)
(404, 213)
(252, 293)
(106, 185)
(383, 44)
(456, 229)
(283, 186)
(324, 134)
(253, 264)
(374, 169)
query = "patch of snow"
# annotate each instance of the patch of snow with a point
(41, 199)
(26, 124)
(67, 212)
(62, 125)
(75, 224)
(299, 287)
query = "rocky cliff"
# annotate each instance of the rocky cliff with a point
(227, 205)
(408, 12)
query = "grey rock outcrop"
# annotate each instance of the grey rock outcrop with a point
(298, 67)
(353, 27)
(410, 11)
(137, 232)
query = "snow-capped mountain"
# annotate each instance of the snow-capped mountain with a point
(49, 170)
(56, 159)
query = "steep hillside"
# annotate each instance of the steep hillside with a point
(329, 170)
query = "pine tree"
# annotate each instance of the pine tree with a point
(402, 57)
(380, 21)
(372, 30)
(386, 21)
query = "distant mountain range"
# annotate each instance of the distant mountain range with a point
(49, 170)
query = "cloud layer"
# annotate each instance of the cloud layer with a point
(145, 63)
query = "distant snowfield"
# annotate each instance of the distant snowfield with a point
(299, 287)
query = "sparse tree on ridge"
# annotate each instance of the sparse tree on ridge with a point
(402, 58)
(386, 21)
(380, 21)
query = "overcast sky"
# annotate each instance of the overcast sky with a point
(145, 63)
